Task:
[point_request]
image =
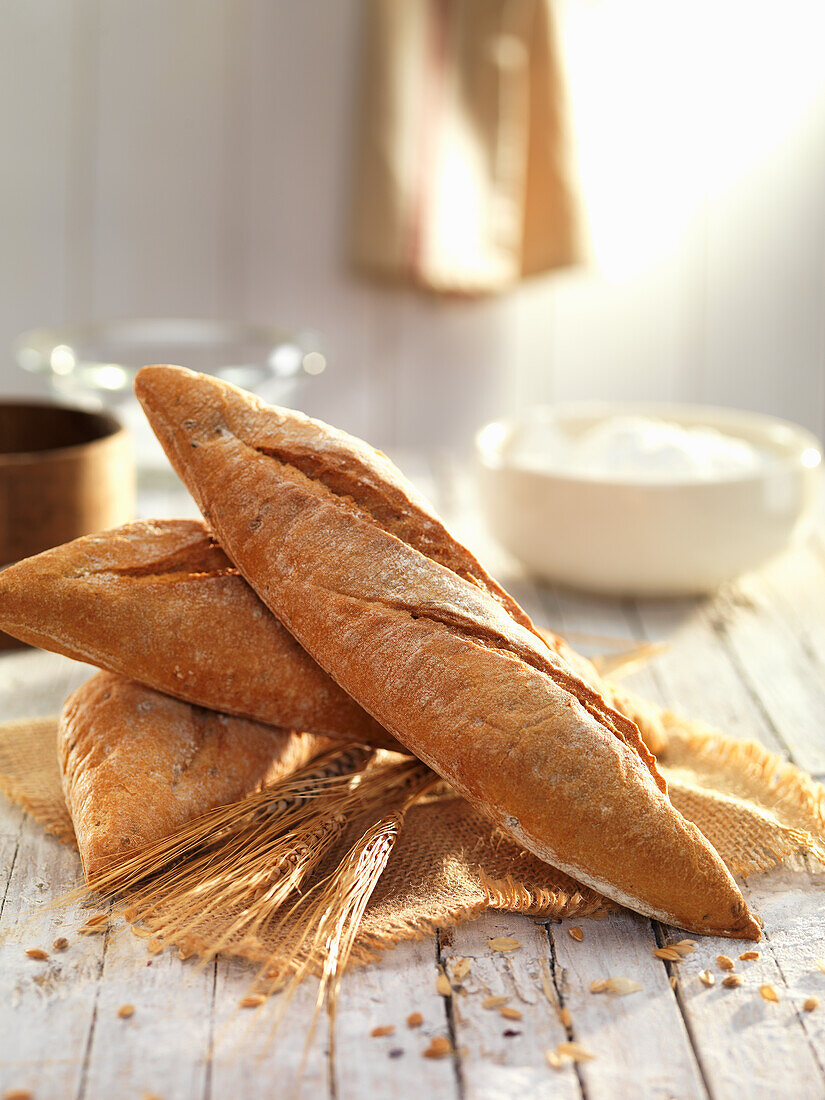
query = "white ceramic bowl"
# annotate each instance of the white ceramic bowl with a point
(672, 537)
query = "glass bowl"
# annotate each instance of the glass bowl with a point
(100, 360)
(94, 365)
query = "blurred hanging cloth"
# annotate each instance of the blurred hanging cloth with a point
(465, 179)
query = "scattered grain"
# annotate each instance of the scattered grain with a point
(60, 944)
(18, 1094)
(622, 986)
(442, 985)
(707, 977)
(571, 1052)
(461, 969)
(670, 954)
(494, 1002)
(725, 962)
(576, 933)
(684, 947)
(748, 956)
(810, 1004)
(97, 918)
(503, 943)
(125, 1011)
(733, 981)
(252, 1000)
(673, 982)
(415, 1019)
(509, 1013)
(378, 1032)
(599, 986)
(438, 1048)
(37, 953)
(769, 993)
(566, 1017)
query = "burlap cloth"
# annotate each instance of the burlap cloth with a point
(450, 865)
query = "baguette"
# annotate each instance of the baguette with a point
(137, 764)
(159, 602)
(360, 570)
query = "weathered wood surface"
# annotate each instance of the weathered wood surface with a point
(749, 661)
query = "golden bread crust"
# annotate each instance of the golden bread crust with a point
(161, 603)
(136, 764)
(432, 652)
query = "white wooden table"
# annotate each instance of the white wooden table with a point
(750, 661)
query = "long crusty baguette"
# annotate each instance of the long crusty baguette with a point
(159, 602)
(363, 574)
(137, 764)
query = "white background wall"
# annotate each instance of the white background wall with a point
(193, 157)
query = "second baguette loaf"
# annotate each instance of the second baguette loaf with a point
(162, 604)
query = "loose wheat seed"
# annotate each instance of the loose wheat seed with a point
(503, 943)
(673, 982)
(684, 947)
(438, 1048)
(461, 969)
(810, 1004)
(442, 985)
(670, 954)
(707, 977)
(769, 993)
(37, 953)
(98, 918)
(748, 956)
(18, 1094)
(599, 986)
(509, 1013)
(415, 1019)
(576, 933)
(494, 1002)
(733, 981)
(60, 944)
(724, 962)
(572, 1052)
(125, 1011)
(252, 1000)
(378, 1032)
(622, 986)
(566, 1017)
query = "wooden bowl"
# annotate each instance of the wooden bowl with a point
(64, 473)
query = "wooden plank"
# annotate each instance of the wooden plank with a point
(775, 667)
(162, 1048)
(385, 994)
(249, 1058)
(697, 675)
(742, 1040)
(640, 1041)
(502, 1057)
(49, 1006)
